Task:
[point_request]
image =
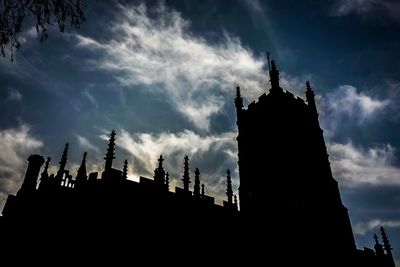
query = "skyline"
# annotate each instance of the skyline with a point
(163, 77)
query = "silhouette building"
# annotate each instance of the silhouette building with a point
(290, 206)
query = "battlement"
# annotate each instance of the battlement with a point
(289, 97)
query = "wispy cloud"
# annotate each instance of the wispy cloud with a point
(16, 144)
(347, 100)
(353, 166)
(213, 154)
(363, 228)
(160, 53)
(376, 8)
(14, 95)
(87, 94)
(86, 144)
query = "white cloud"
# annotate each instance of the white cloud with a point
(215, 153)
(86, 144)
(14, 95)
(160, 53)
(362, 228)
(353, 166)
(296, 85)
(16, 144)
(347, 101)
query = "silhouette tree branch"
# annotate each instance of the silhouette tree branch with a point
(15, 13)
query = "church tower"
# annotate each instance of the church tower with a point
(286, 183)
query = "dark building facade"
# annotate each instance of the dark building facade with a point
(285, 171)
(290, 206)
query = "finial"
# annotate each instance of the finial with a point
(274, 77)
(84, 155)
(229, 191)
(387, 246)
(235, 201)
(196, 187)
(160, 161)
(159, 172)
(64, 154)
(308, 86)
(238, 98)
(110, 155)
(186, 177)
(202, 190)
(238, 91)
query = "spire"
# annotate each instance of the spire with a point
(310, 96)
(238, 99)
(64, 158)
(61, 170)
(235, 201)
(229, 191)
(186, 178)
(196, 187)
(81, 176)
(273, 76)
(386, 246)
(378, 247)
(203, 193)
(125, 170)
(44, 177)
(386, 243)
(159, 172)
(167, 181)
(160, 162)
(110, 155)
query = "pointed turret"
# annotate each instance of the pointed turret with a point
(44, 177)
(378, 247)
(186, 177)
(196, 187)
(235, 202)
(64, 158)
(30, 181)
(387, 246)
(273, 76)
(81, 177)
(125, 170)
(167, 181)
(61, 170)
(203, 191)
(310, 96)
(110, 155)
(229, 191)
(159, 172)
(238, 99)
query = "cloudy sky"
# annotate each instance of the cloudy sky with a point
(162, 74)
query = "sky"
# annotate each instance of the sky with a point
(162, 74)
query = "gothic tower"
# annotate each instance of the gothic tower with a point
(286, 183)
(31, 176)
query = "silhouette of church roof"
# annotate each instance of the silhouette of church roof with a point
(287, 194)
